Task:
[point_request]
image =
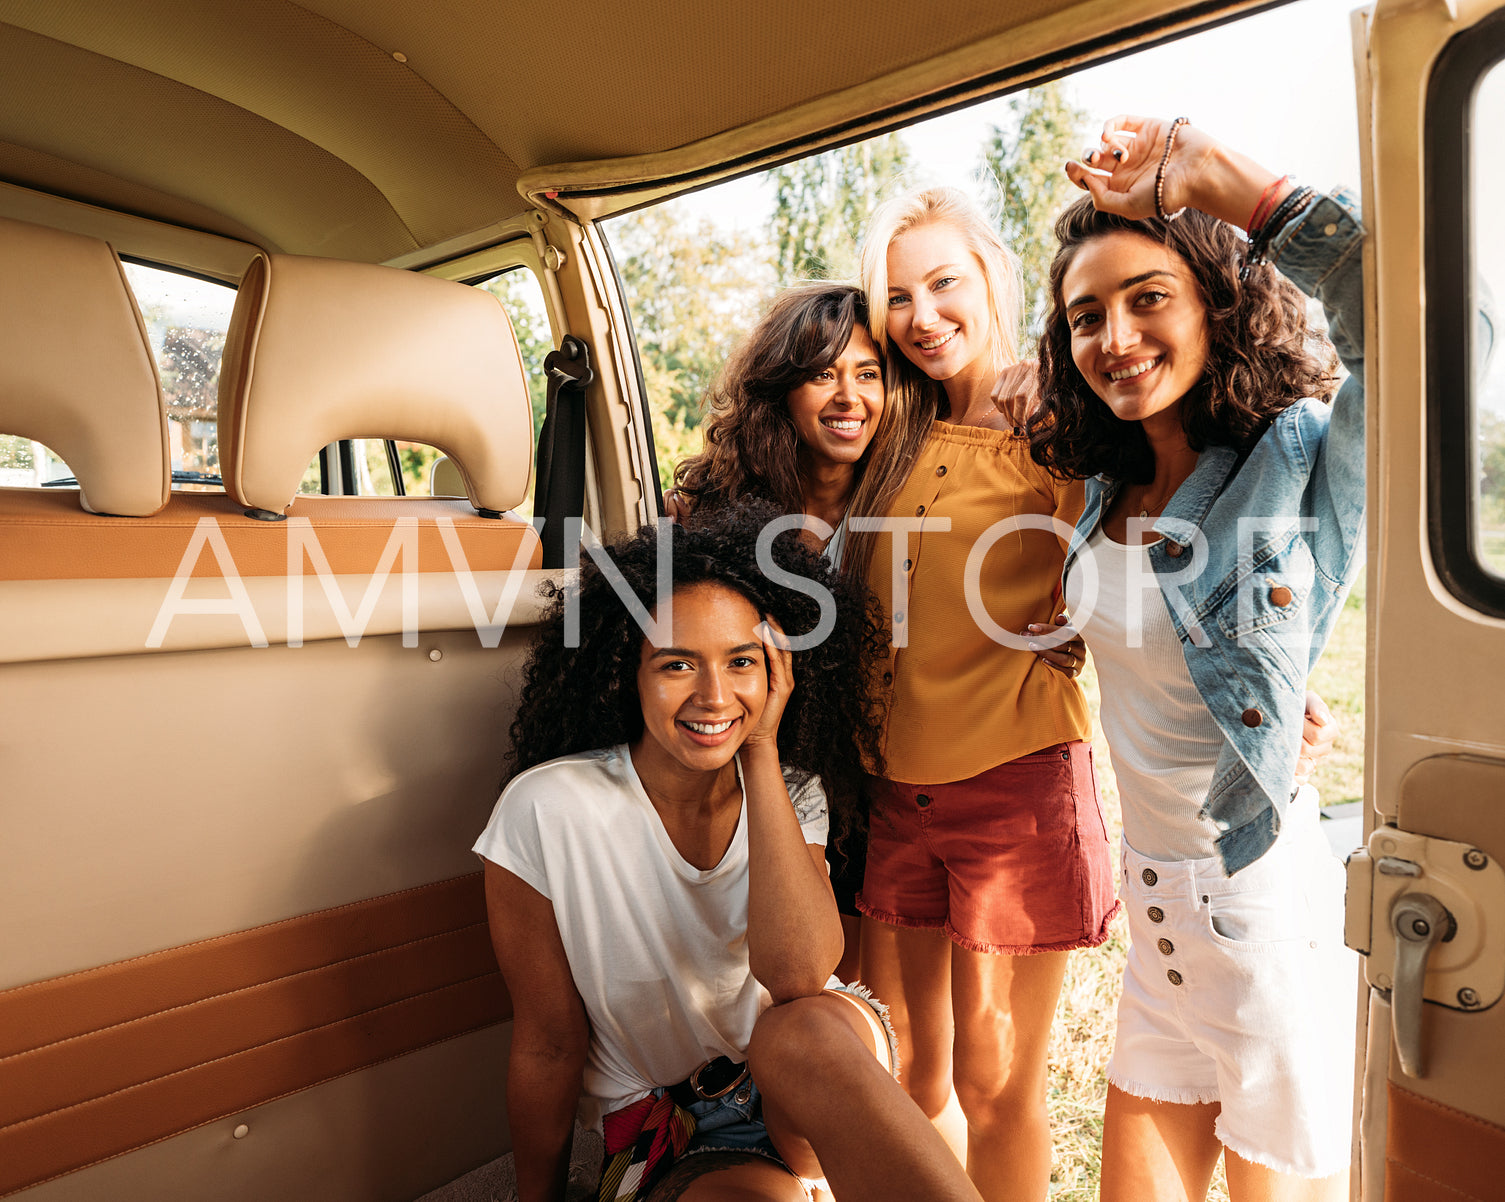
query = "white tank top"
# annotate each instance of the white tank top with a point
(1163, 741)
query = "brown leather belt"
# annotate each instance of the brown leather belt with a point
(713, 1079)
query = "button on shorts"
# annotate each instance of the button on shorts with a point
(1012, 861)
(1239, 990)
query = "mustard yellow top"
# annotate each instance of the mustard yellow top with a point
(960, 702)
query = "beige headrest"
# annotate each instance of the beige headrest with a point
(320, 349)
(76, 368)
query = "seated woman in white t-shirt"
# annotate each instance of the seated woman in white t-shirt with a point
(657, 890)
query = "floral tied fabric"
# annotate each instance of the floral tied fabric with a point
(642, 1141)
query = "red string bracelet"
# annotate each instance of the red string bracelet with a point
(1257, 218)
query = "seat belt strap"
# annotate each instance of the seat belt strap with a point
(560, 466)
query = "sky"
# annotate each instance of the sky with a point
(1279, 87)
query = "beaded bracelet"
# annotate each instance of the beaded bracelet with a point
(1295, 202)
(1170, 141)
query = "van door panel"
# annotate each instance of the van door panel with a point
(1435, 743)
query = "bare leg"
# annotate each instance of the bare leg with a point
(1250, 1182)
(1004, 1006)
(1158, 1151)
(727, 1177)
(833, 1110)
(850, 968)
(909, 969)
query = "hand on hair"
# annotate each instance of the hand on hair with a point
(1017, 393)
(677, 506)
(780, 683)
(1200, 172)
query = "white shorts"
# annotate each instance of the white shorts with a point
(1239, 990)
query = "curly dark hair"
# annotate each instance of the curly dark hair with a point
(582, 697)
(751, 445)
(1262, 357)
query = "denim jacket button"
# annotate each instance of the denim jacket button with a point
(1174, 550)
(1252, 717)
(1280, 596)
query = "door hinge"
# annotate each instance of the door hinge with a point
(1429, 917)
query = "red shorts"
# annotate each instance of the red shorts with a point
(1014, 860)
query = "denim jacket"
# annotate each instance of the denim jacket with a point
(1257, 557)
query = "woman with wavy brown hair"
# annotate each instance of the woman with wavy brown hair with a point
(796, 417)
(1223, 525)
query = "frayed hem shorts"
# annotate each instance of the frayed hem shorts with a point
(1238, 990)
(1012, 861)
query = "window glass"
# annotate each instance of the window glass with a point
(26, 463)
(522, 297)
(373, 468)
(1488, 371)
(186, 320)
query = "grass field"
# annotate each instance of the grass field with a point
(1082, 1038)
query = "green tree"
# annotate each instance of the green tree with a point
(518, 290)
(1026, 159)
(1491, 451)
(694, 291)
(822, 203)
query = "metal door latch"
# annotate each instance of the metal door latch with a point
(1429, 916)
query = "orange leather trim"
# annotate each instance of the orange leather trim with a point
(47, 536)
(101, 1062)
(1434, 1153)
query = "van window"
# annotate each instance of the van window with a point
(26, 463)
(522, 297)
(1488, 371)
(1465, 267)
(373, 459)
(186, 320)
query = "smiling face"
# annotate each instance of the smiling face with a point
(703, 694)
(837, 411)
(1138, 325)
(939, 314)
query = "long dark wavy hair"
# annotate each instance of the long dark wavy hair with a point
(752, 448)
(1262, 356)
(579, 698)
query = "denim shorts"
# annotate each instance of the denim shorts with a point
(1239, 991)
(734, 1122)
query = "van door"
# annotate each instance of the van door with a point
(1427, 897)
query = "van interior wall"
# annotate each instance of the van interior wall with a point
(230, 875)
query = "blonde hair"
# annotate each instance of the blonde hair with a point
(1000, 265)
(913, 399)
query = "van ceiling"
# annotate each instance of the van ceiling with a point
(297, 127)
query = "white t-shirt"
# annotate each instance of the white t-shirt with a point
(656, 946)
(1164, 741)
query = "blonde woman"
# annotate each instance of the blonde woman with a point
(988, 857)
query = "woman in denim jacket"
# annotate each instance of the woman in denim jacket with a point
(1223, 526)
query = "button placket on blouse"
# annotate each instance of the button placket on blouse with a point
(900, 615)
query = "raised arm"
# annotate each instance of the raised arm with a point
(550, 1034)
(794, 935)
(1145, 166)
